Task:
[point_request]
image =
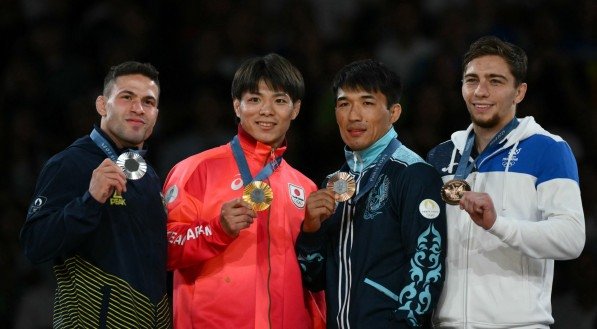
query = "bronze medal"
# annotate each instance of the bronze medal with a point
(453, 190)
(133, 165)
(343, 186)
(259, 195)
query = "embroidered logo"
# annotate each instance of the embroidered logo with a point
(513, 160)
(377, 197)
(237, 183)
(429, 209)
(171, 194)
(37, 204)
(297, 195)
(117, 199)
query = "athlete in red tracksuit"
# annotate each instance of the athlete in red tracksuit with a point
(235, 267)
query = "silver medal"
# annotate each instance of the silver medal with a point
(133, 165)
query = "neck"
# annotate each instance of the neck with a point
(482, 138)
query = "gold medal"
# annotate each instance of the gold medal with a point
(133, 165)
(258, 194)
(343, 186)
(453, 190)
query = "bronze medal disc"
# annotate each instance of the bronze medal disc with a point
(453, 190)
(259, 195)
(133, 165)
(343, 186)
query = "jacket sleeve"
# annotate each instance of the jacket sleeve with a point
(417, 198)
(311, 252)
(560, 232)
(191, 239)
(62, 213)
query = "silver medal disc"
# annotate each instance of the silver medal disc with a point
(133, 165)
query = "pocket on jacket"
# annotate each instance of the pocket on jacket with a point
(381, 288)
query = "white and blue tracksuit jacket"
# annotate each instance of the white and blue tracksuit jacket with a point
(380, 259)
(502, 277)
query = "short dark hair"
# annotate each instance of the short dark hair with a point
(276, 71)
(371, 76)
(128, 68)
(514, 56)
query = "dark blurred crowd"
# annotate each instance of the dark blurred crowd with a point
(56, 52)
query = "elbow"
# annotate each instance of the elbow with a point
(33, 251)
(574, 247)
(577, 247)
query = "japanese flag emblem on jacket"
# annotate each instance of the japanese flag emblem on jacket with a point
(297, 195)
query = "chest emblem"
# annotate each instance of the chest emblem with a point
(117, 199)
(378, 196)
(297, 195)
(236, 183)
(511, 161)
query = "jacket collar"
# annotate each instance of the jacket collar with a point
(359, 160)
(258, 150)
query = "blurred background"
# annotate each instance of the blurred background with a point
(56, 53)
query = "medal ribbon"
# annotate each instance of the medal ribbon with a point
(464, 167)
(243, 166)
(380, 161)
(103, 144)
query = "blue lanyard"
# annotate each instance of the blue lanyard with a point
(243, 166)
(464, 167)
(103, 144)
(380, 161)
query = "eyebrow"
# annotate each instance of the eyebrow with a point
(491, 75)
(128, 92)
(366, 96)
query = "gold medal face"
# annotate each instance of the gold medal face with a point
(133, 165)
(343, 186)
(259, 195)
(453, 190)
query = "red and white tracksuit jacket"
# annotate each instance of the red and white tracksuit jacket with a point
(253, 280)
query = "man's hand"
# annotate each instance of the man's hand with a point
(480, 207)
(320, 206)
(236, 215)
(106, 178)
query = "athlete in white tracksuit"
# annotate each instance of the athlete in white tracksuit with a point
(524, 210)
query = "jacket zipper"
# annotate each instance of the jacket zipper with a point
(269, 260)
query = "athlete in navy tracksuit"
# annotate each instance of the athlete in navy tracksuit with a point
(109, 251)
(380, 254)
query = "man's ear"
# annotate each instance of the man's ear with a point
(236, 105)
(521, 91)
(100, 105)
(296, 108)
(395, 112)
